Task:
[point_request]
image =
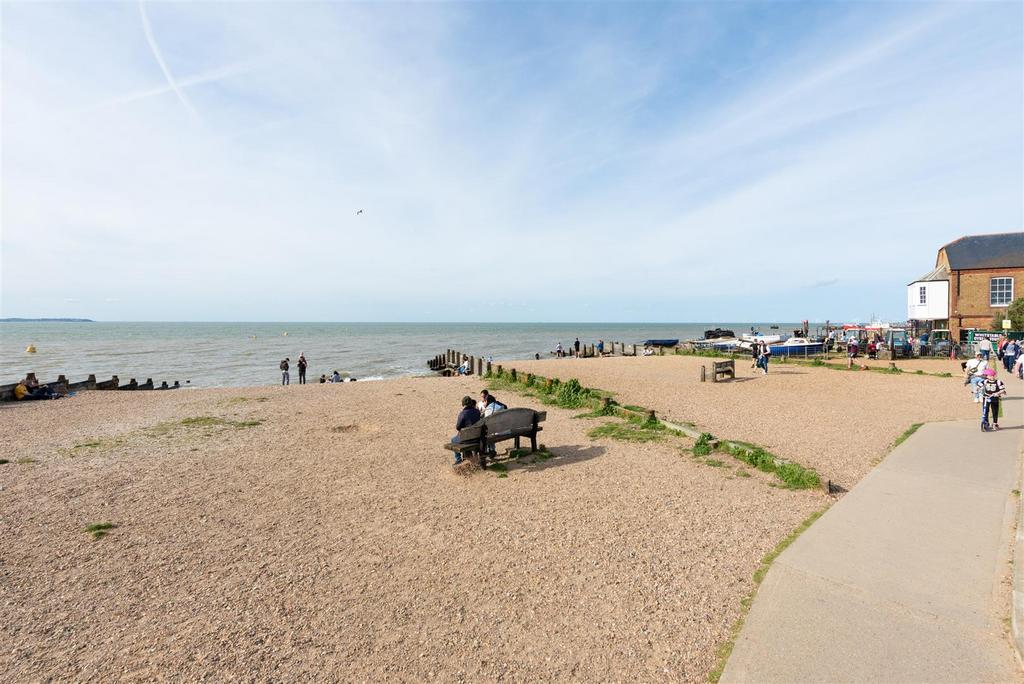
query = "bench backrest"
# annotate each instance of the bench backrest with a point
(724, 365)
(503, 422)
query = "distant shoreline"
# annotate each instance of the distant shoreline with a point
(46, 320)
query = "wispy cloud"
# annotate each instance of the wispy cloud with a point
(576, 155)
(148, 31)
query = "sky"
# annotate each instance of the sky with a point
(578, 161)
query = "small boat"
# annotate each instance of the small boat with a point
(758, 337)
(660, 343)
(718, 333)
(797, 346)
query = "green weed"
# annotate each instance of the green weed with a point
(906, 434)
(702, 447)
(99, 530)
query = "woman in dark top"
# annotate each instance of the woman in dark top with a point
(469, 415)
(302, 368)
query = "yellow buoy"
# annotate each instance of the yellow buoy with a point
(286, 333)
(30, 349)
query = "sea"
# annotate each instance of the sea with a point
(249, 354)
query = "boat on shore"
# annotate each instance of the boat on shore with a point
(797, 346)
(759, 337)
(661, 343)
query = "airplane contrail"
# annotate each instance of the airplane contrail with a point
(148, 30)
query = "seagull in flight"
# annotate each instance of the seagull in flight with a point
(359, 212)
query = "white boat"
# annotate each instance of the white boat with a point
(758, 337)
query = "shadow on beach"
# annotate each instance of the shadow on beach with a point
(560, 456)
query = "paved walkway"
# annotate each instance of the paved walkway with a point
(905, 579)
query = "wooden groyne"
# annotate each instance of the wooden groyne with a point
(451, 360)
(63, 386)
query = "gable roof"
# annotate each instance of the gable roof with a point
(1002, 250)
(938, 273)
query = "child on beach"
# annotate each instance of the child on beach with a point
(992, 389)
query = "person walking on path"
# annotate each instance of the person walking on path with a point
(1010, 353)
(285, 378)
(985, 347)
(302, 368)
(992, 389)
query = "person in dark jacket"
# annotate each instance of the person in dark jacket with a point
(302, 368)
(469, 415)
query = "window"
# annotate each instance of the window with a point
(1000, 292)
(922, 295)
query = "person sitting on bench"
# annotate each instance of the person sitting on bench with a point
(491, 405)
(469, 415)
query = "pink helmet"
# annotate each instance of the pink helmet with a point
(990, 372)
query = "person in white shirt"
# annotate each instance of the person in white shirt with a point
(976, 375)
(985, 347)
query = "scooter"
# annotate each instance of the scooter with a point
(984, 415)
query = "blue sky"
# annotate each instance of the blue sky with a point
(514, 162)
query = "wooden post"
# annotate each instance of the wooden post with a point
(500, 371)
(529, 378)
(703, 373)
(479, 366)
(513, 374)
(606, 404)
(651, 417)
(549, 383)
(488, 368)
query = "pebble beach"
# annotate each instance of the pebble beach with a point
(319, 531)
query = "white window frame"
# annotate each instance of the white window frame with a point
(992, 291)
(922, 294)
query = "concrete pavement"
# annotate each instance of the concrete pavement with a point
(908, 577)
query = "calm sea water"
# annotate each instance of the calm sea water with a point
(246, 354)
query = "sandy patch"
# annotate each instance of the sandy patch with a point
(262, 543)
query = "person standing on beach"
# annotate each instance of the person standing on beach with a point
(302, 368)
(576, 345)
(285, 378)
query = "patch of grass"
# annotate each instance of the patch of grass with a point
(99, 530)
(498, 467)
(235, 401)
(944, 375)
(725, 650)
(98, 444)
(25, 460)
(344, 428)
(919, 372)
(740, 472)
(792, 475)
(502, 475)
(627, 432)
(906, 435)
(638, 409)
(571, 394)
(702, 447)
(206, 422)
(714, 463)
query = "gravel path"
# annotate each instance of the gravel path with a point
(838, 422)
(332, 541)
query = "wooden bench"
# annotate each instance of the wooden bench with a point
(476, 440)
(720, 370)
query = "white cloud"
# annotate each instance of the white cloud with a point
(564, 160)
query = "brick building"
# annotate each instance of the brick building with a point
(975, 278)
